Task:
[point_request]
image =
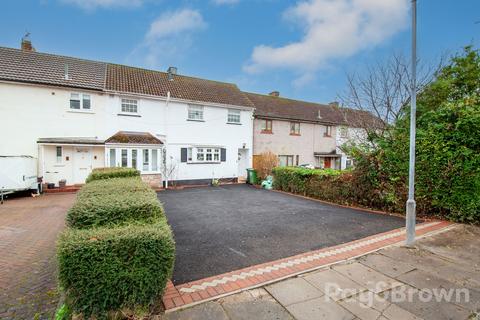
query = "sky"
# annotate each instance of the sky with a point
(303, 49)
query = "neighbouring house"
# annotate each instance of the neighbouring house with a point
(74, 115)
(304, 133)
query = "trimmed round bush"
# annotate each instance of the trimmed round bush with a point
(109, 173)
(104, 269)
(114, 202)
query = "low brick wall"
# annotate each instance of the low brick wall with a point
(154, 180)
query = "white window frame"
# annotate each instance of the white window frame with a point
(343, 132)
(195, 113)
(140, 158)
(204, 155)
(128, 103)
(234, 116)
(81, 98)
(295, 128)
(328, 131)
(287, 157)
(59, 159)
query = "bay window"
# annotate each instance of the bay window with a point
(145, 160)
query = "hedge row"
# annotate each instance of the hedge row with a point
(118, 251)
(112, 202)
(108, 173)
(105, 269)
(342, 187)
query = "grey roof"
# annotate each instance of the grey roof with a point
(43, 68)
(71, 140)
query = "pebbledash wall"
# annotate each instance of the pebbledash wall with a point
(29, 112)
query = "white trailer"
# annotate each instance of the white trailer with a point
(18, 173)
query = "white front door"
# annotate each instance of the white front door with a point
(242, 162)
(82, 164)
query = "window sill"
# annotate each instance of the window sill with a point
(266, 132)
(195, 120)
(59, 165)
(80, 111)
(295, 134)
(129, 115)
(235, 123)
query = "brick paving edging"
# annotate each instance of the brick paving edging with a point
(191, 293)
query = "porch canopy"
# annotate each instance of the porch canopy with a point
(331, 154)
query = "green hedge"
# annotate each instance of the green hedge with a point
(112, 202)
(104, 269)
(109, 173)
(118, 251)
(295, 180)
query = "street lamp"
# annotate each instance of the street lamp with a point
(410, 223)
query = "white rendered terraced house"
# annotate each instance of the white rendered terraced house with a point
(74, 115)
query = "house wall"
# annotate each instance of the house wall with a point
(31, 112)
(281, 142)
(353, 135)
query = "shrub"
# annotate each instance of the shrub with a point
(264, 164)
(294, 179)
(114, 201)
(108, 173)
(104, 269)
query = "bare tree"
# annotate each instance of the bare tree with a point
(383, 91)
(168, 169)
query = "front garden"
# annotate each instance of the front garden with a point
(447, 154)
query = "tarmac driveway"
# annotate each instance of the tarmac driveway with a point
(221, 229)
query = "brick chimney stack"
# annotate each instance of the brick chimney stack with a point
(26, 43)
(274, 94)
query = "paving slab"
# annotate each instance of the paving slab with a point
(386, 265)
(415, 303)
(204, 311)
(256, 304)
(293, 291)
(394, 312)
(439, 265)
(465, 297)
(359, 309)
(334, 284)
(367, 277)
(319, 309)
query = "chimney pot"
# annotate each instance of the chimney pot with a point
(274, 94)
(26, 43)
(171, 72)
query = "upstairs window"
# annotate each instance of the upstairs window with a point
(266, 126)
(295, 128)
(233, 116)
(79, 101)
(328, 131)
(195, 113)
(129, 106)
(344, 132)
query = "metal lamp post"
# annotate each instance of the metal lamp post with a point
(411, 214)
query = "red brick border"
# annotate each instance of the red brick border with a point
(194, 292)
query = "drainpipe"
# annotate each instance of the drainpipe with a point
(166, 138)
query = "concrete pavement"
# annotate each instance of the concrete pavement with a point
(439, 279)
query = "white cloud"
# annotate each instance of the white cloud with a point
(93, 4)
(331, 29)
(225, 2)
(168, 39)
(174, 23)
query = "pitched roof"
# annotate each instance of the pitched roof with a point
(131, 137)
(130, 79)
(268, 106)
(43, 68)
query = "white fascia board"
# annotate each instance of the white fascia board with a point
(186, 101)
